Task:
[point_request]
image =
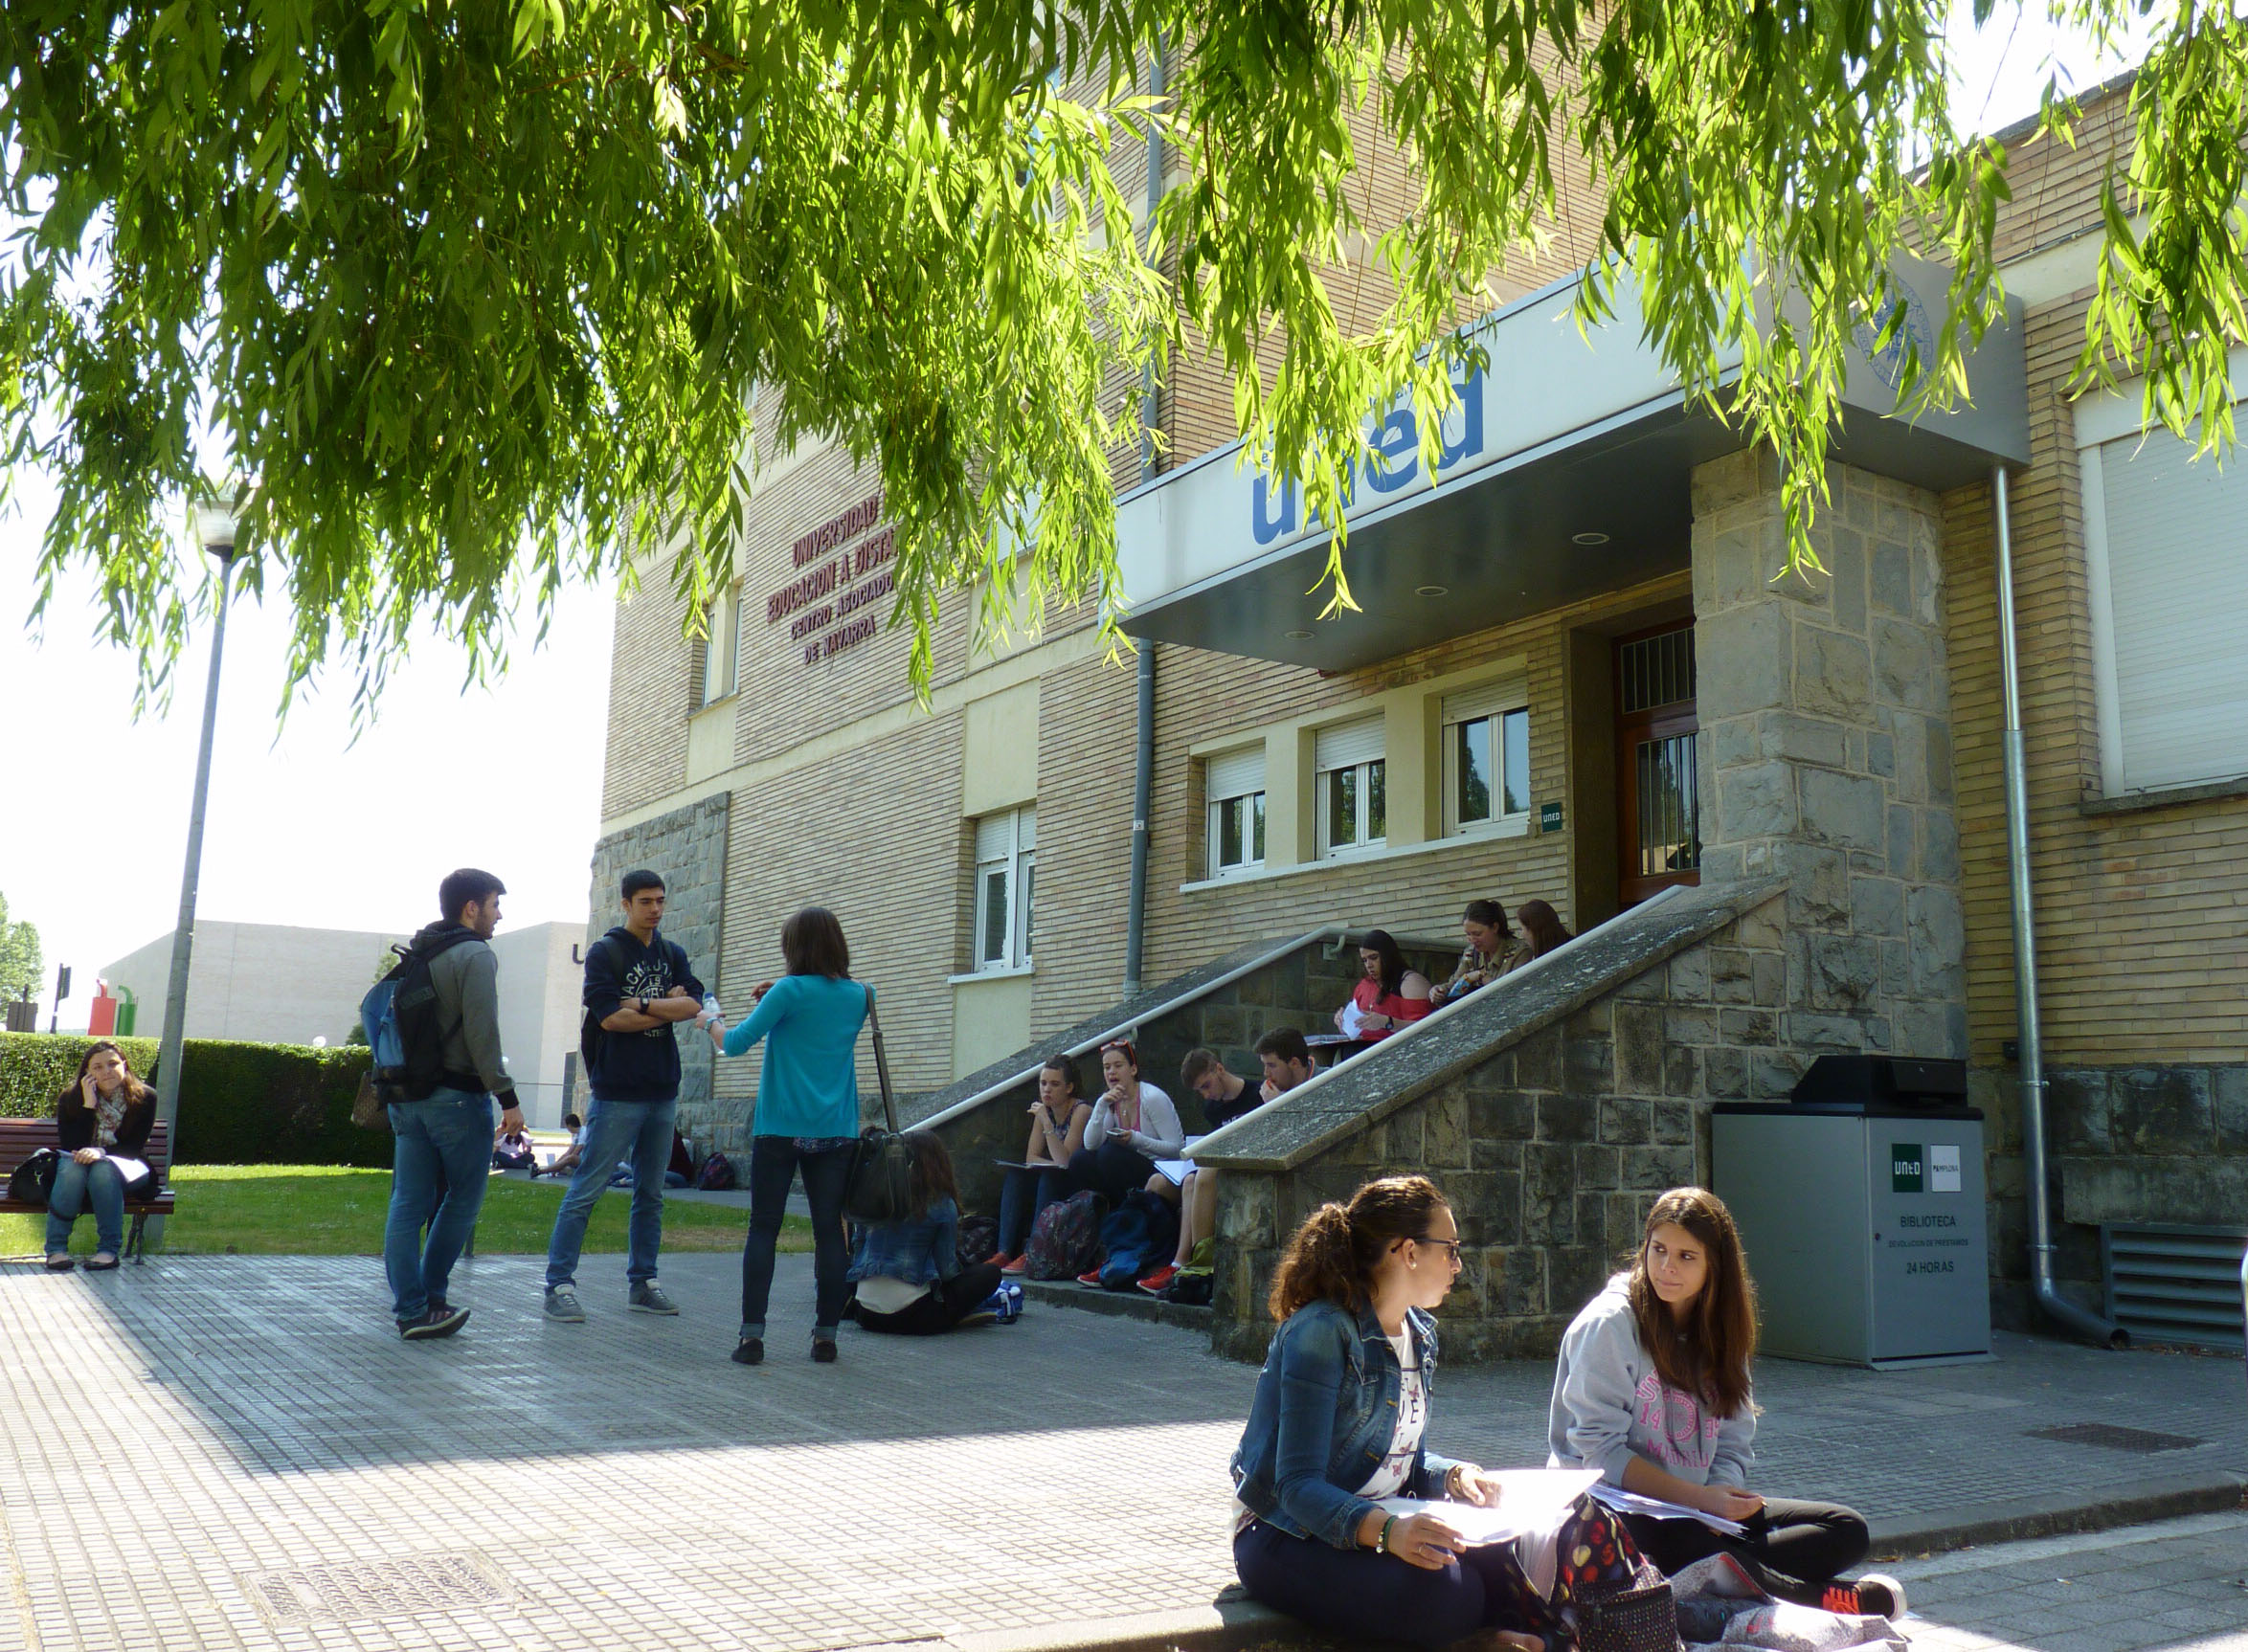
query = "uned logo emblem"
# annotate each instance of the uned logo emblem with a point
(1906, 1174)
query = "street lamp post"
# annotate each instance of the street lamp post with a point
(214, 527)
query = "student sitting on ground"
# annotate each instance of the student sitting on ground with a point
(1542, 929)
(1491, 951)
(1133, 1125)
(567, 1159)
(1057, 1130)
(1224, 1097)
(514, 1150)
(906, 1275)
(1337, 1424)
(1389, 996)
(1652, 1390)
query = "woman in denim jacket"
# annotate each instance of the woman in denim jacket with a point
(906, 1275)
(1336, 1425)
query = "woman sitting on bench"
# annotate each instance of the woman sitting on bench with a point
(107, 1113)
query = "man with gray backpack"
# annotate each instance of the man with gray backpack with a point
(434, 1024)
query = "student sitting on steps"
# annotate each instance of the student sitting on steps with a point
(1652, 1390)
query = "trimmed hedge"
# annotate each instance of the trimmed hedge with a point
(240, 1103)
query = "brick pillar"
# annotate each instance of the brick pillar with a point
(1825, 702)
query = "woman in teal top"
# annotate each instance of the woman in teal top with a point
(807, 1117)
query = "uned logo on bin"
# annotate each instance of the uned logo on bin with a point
(1906, 1168)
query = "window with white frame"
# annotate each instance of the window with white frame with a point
(2169, 590)
(1236, 787)
(721, 645)
(1006, 880)
(1351, 779)
(1486, 757)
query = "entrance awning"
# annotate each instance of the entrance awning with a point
(1567, 474)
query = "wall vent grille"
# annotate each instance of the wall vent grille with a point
(2172, 1283)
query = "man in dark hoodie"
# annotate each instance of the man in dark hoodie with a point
(638, 988)
(444, 1142)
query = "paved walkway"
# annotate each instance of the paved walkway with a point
(2178, 1584)
(222, 1453)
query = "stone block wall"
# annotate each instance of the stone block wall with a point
(1826, 756)
(2126, 1143)
(686, 848)
(1551, 1148)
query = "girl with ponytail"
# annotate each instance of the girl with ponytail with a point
(1336, 1425)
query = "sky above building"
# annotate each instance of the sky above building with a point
(307, 828)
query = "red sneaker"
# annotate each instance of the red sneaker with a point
(1014, 1267)
(998, 1258)
(1155, 1282)
(1092, 1279)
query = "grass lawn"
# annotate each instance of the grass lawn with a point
(326, 1210)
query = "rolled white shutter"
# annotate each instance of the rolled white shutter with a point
(1349, 742)
(1237, 774)
(2178, 560)
(1025, 830)
(1485, 701)
(995, 838)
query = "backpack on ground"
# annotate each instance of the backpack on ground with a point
(977, 1238)
(1066, 1239)
(1138, 1238)
(1196, 1283)
(717, 1174)
(400, 1017)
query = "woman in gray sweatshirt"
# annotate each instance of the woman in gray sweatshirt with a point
(1652, 1390)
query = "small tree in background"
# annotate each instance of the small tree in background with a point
(23, 969)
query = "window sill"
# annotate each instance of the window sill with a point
(1518, 827)
(1013, 972)
(2165, 797)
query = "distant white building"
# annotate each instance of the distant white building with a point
(283, 984)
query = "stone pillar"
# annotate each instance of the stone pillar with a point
(1825, 702)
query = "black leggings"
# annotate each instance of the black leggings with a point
(1114, 1169)
(774, 1164)
(1805, 1543)
(948, 1303)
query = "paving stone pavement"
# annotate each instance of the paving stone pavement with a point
(2181, 1583)
(238, 1453)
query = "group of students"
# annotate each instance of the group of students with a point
(1391, 993)
(1652, 1390)
(1130, 1138)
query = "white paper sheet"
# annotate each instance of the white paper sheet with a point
(1354, 1020)
(132, 1170)
(1177, 1171)
(1530, 1500)
(1632, 1503)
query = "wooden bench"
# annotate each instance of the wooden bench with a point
(21, 1138)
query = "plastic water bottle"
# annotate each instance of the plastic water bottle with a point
(711, 1010)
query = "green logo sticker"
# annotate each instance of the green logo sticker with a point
(1906, 1168)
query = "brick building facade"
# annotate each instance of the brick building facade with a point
(1839, 733)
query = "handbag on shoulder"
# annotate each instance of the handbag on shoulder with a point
(882, 1169)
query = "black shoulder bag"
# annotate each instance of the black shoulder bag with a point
(882, 1167)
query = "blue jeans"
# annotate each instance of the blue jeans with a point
(76, 1186)
(615, 1131)
(443, 1152)
(773, 1163)
(1022, 1196)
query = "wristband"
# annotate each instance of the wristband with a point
(1381, 1542)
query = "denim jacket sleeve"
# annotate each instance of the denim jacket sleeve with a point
(1312, 1374)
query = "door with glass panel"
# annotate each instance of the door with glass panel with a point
(1658, 829)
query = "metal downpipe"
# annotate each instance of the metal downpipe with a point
(2082, 1321)
(1143, 772)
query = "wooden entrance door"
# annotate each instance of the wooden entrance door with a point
(1658, 817)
